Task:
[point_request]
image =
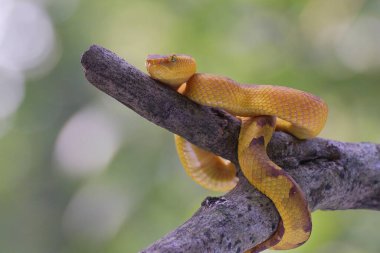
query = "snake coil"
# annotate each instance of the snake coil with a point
(262, 110)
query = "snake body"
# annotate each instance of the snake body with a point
(262, 110)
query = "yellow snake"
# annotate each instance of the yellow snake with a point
(262, 110)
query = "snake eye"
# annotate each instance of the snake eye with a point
(173, 58)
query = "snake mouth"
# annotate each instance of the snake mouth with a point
(171, 58)
(156, 59)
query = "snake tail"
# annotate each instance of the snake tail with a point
(274, 239)
(272, 181)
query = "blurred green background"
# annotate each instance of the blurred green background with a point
(79, 172)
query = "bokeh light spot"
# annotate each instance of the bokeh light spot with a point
(87, 142)
(359, 48)
(95, 213)
(30, 37)
(11, 91)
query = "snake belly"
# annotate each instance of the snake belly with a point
(262, 109)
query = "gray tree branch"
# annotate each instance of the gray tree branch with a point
(334, 175)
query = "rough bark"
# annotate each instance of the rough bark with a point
(334, 175)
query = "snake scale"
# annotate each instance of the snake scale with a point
(262, 110)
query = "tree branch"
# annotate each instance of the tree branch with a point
(334, 175)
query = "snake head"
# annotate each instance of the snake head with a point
(173, 69)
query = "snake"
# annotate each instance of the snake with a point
(262, 110)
